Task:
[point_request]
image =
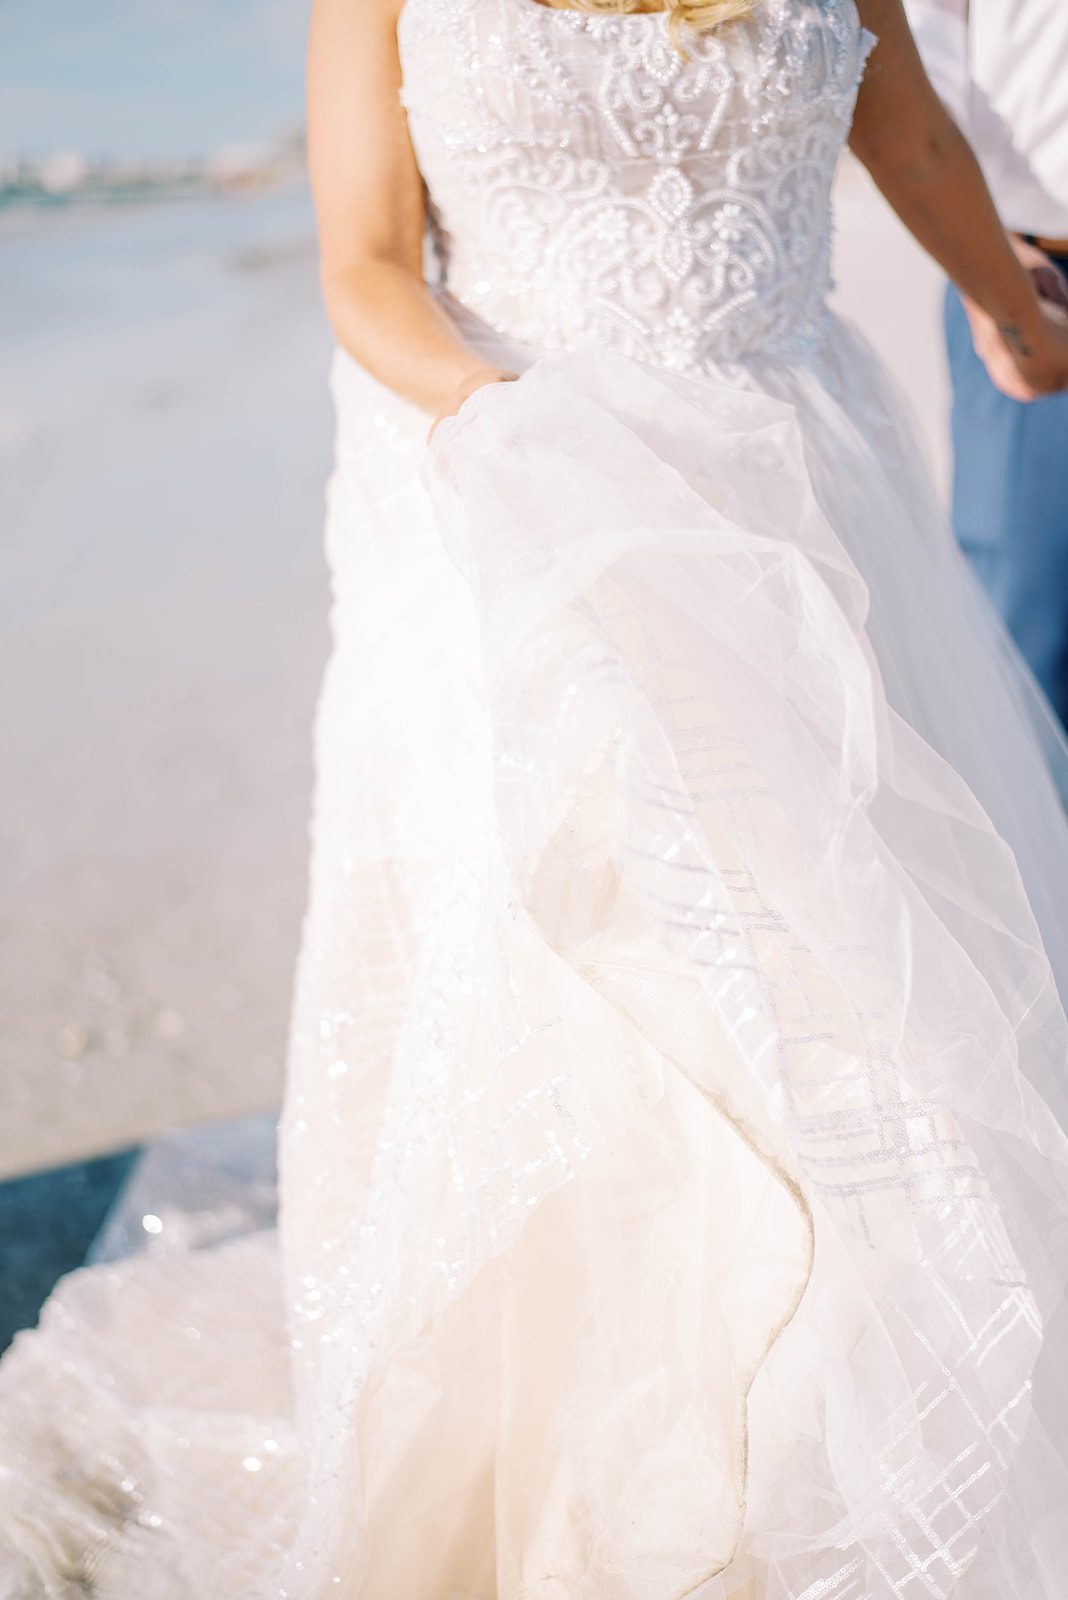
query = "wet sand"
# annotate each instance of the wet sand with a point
(165, 431)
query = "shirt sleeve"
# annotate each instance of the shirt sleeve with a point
(940, 28)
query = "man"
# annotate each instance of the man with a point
(1001, 66)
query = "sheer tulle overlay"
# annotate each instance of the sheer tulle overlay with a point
(671, 1202)
(665, 1206)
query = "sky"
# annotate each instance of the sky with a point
(151, 78)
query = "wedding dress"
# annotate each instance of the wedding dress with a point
(667, 1204)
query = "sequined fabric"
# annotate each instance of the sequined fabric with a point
(666, 1205)
(591, 184)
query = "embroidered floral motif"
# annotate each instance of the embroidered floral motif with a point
(592, 184)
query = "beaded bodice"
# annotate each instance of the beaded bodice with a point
(590, 184)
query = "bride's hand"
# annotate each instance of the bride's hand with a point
(466, 388)
(1027, 365)
(1024, 366)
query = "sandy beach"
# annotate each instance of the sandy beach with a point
(165, 435)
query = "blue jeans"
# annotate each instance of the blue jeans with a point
(1010, 504)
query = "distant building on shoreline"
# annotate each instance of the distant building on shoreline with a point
(69, 177)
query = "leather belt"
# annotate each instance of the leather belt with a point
(1052, 247)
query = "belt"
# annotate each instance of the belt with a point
(1052, 247)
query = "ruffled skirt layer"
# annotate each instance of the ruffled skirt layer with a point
(667, 1204)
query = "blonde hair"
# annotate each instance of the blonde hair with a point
(700, 15)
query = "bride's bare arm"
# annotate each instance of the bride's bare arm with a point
(369, 207)
(925, 167)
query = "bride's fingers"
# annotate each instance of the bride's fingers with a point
(1005, 378)
(1001, 362)
(463, 392)
(1003, 371)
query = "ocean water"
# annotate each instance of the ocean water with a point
(148, 77)
(48, 1222)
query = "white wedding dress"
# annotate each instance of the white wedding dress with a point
(667, 1206)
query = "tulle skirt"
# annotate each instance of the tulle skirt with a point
(673, 1197)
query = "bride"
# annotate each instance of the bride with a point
(670, 1199)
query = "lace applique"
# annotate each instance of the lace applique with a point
(590, 184)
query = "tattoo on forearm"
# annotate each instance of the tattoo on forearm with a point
(1014, 338)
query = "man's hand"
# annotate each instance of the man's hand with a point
(1048, 279)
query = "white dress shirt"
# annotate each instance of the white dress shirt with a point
(1001, 66)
